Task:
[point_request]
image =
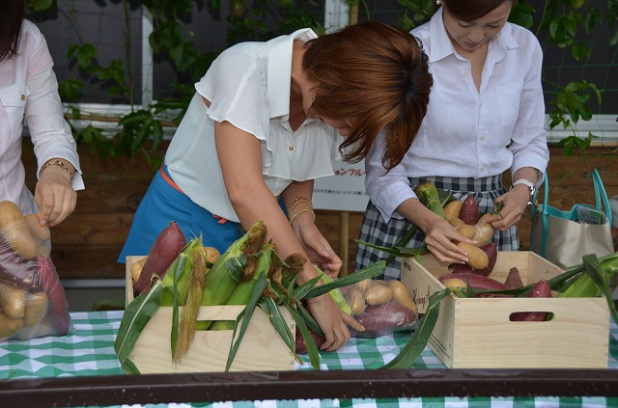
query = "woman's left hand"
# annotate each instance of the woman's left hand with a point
(513, 205)
(54, 196)
(319, 250)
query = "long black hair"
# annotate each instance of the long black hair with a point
(12, 14)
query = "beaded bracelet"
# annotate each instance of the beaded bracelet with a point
(304, 210)
(299, 200)
(57, 162)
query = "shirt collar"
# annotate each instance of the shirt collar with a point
(442, 46)
(280, 70)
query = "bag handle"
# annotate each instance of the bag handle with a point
(601, 195)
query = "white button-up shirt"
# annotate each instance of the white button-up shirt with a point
(248, 85)
(29, 89)
(470, 133)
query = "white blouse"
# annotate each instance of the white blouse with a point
(29, 89)
(248, 85)
(469, 133)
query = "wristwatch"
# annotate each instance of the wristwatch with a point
(530, 186)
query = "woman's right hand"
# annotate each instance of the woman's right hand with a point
(441, 238)
(333, 321)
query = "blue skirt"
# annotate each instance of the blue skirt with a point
(163, 204)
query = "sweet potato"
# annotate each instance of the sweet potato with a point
(301, 346)
(12, 300)
(378, 292)
(513, 280)
(476, 282)
(452, 210)
(386, 318)
(8, 326)
(13, 269)
(46, 278)
(36, 308)
(469, 212)
(163, 252)
(401, 295)
(539, 290)
(477, 257)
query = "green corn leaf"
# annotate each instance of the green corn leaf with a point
(417, 343)
(397, 251)
(243, 319)
(593, 268)
(369, 272)
(277, 320)
(308, 319)
(312, 348)
(137, 314)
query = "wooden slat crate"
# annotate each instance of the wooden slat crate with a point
(261, 349)
(477, 332)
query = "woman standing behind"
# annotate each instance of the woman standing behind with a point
(29, 90)
(486, 116)
(266, 120)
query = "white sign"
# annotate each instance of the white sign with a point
(344, 191)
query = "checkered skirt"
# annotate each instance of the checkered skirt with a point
(374, 230)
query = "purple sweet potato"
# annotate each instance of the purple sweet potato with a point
(46, 278)
(513, 280)
(469, 212)
(386, 318)
(539, 290)
(476, 282)
(163, 252)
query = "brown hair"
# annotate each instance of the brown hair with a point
(376, 74)
(468, 10)
(12, 14)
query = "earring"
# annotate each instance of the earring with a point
(438, 2)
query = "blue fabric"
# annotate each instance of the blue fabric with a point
(163, 204)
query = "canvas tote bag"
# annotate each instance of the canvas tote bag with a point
(563, 237)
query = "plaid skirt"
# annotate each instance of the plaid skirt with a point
(374, 230)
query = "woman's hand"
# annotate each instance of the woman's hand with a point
(54, 196)
(332, 320)
(440, 238)
(514, 203)
(317, 247)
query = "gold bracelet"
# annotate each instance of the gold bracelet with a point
(57, 162)
(304, 210)
(299, 200)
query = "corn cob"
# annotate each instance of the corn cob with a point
(227, 272)
(179, 274)
(336, 293)
(243, 291)
(188, 320)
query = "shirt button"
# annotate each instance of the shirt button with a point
(291, 148)
(482, 168)
(23, 97)
(482, 138)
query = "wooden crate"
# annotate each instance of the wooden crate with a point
(261, 349)
(477, 332)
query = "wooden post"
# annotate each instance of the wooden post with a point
(344, 224)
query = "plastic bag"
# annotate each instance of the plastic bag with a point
(382, 307)
(32, 299)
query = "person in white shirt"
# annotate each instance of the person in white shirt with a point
(485, 116)
(267, 119)
(29, 90)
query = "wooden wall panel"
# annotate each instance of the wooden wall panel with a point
(87, 244)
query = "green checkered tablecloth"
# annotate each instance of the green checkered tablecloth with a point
(89, 350)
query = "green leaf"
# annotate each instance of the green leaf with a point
(369, 272)
(245, 317)
(417, 343)
(278, 322)
(137, 314)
